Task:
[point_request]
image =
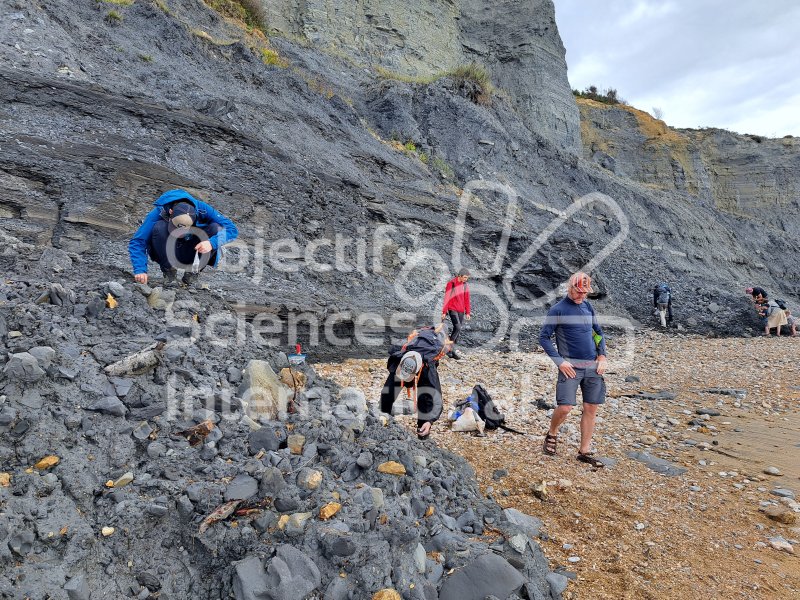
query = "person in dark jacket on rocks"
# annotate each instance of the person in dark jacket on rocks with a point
(662, 301)
(178, 229)
(413, 366)
(580, 355)
(456, 306)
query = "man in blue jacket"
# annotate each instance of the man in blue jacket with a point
(178, 229)
(581, 360)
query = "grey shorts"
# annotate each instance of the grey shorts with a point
(593, 387)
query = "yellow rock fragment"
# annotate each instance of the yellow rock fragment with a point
(107, 531)
(110, 301)
(123, 480)
(110, 483)
(392, 468)
(386, 594)
(430, 511)
(47, 462)
(283, 521)
(5, 479)
(327, 511)
(540, 490)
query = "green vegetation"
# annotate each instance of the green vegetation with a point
(162, 5)
(445, 170)
(477, 75)
(610, 96)
(409, 148)
(315, 82)
(146, 57)
(113, 17)
(272, 59)
(419, 80)
(118, 2)
(473, 78)
(250, 12)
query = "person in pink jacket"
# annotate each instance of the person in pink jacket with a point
(456, 306)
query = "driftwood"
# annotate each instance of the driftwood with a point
(136, 363)
(220, 513)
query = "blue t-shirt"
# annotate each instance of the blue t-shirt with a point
(572, 325)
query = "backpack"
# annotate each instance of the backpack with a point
(663, 293)
(487, 411)
(781, 304)
(430, 342)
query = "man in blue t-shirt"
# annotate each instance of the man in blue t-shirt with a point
(580, 355)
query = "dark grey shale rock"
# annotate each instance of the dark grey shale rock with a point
(332, 155)
(659, 465)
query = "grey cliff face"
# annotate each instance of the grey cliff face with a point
(517, 41)
(748, 176)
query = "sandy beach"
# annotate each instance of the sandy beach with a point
(627, 531)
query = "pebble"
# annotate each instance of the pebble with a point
(773, 471)
(783, 493)
(781, 544)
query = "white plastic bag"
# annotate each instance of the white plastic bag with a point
(469, 421)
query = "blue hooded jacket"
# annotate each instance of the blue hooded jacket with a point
(137, 247)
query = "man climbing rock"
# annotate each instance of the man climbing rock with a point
(178, 229)
(581, 360)
(456, 306)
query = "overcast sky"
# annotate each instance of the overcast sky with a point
(733, 64)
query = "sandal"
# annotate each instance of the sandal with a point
(424, 433)
(590, 459)
(549, 446)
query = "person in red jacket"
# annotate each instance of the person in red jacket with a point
(456, 306)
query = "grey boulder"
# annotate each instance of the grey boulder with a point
(489, 575)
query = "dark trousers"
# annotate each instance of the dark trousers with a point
(184, 248)
(457, 319)
(429, 391)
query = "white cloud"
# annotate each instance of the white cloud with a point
(706, 63)
(646, 11)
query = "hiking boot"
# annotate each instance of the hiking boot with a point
(454, 355)
(170, 277)
(190, 278)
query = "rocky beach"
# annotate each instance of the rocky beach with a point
(700, 436)
(157, 443)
